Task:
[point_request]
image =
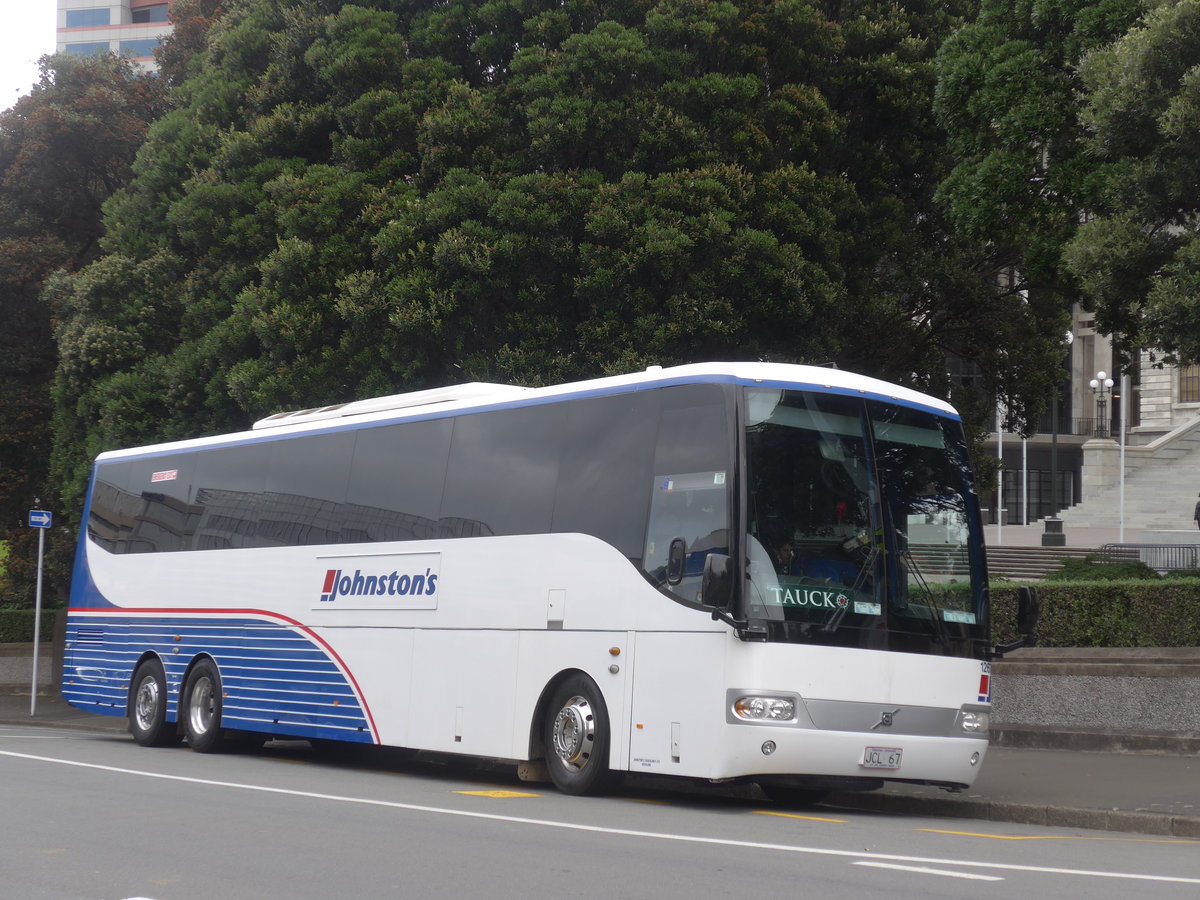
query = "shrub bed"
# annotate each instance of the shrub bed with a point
(1144, 613)
(16, 625)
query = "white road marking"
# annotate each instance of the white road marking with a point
(925, 870)
(600, 829)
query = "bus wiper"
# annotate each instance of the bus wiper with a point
(834, 622)
(937, 626)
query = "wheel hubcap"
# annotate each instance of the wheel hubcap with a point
(574, 732)
(200, 710)
(145, 707)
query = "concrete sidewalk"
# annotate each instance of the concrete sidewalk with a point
(1134, 792)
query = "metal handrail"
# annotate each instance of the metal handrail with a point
(1160, 557)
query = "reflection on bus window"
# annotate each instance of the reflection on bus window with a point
(691, 507)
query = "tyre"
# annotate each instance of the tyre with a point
(147, 708)
(202, 709)
(576, 738)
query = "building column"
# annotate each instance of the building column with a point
(1101, 467)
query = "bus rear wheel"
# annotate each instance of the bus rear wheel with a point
(202, 709)
(576, 739)
(148, 707)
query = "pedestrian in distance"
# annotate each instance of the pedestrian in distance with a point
(1196, 514)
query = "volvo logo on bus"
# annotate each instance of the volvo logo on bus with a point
(885, 719)
(399, 581)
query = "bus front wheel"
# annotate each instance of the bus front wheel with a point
(148, 707)
(577, 737)
(202, 708)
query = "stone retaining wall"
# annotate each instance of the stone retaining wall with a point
(16, 667)
(1120, 699)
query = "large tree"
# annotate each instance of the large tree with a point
(1009, 96)
(64, 148)
(1139, 256)
(352, 199)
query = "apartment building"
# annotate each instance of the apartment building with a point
(131, 28)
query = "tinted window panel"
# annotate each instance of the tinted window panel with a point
(305, 491)
(166, 518)
(150, 14)
(503, 471)
(88, 18)
(114, 508)
(139, 48)
(89, 48)
(607, 453)
(395, 488)
(229, 486)
(692, 434)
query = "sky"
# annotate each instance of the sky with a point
(26, 33)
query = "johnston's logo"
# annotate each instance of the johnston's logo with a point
(403, 581)
(391, 583)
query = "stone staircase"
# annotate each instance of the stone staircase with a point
(1162, 480)
(1029, 563)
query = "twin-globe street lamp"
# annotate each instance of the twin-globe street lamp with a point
(1101, 385)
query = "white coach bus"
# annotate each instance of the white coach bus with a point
(717, 571)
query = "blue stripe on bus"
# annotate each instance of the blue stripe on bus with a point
(275, 680)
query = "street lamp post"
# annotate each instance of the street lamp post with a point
(1100, 386)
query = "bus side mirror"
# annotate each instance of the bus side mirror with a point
(1029, 610)
(716, 584)
(676, 559)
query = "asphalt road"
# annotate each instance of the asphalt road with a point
(93, 816)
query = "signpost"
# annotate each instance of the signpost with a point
(41, 520)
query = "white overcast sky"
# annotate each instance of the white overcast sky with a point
(26, 33)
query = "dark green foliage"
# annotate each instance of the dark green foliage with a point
(356, 199)
(16, 626)
(1158, 613)
(1138, 258)
(1095, 567)
(64, 148)
(1025, 175)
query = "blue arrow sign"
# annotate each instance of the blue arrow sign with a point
(40, 518)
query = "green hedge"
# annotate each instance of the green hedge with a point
(1162, 613)
(16, 625)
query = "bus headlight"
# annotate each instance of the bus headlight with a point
(765, 708)
(973, 722)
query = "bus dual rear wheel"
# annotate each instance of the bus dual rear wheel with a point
(202, 709)
(576, 737)
(148, 707)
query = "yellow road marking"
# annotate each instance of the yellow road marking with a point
(499, 795)
(1055, 837)
(783, 815)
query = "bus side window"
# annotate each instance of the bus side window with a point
(608, 449)
(503, 470)
(689, 491)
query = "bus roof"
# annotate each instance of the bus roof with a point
(478, 396)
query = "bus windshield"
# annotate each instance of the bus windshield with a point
(862, 529)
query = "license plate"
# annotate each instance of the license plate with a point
(881, 758)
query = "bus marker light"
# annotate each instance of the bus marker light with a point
(614, 651)
(768, 748)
